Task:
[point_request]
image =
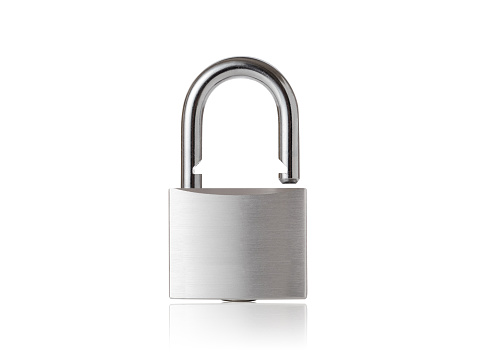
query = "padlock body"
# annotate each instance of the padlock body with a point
(237, 243)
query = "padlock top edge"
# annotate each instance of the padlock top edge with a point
(239, 191)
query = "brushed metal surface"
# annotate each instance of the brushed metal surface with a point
(237, 244)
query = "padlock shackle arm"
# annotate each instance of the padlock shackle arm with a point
(206, 82)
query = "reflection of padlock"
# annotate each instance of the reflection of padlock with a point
(238, 243)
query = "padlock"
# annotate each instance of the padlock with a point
(238, 244)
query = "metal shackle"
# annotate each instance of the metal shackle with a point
(206, 82)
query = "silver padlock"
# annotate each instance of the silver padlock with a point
(238, 243)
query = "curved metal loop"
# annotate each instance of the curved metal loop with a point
(206, 82)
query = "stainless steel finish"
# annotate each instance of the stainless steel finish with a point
(238, 244)
(194, 105)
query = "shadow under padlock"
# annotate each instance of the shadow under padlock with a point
(240, 325)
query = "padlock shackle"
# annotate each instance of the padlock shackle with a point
(206, 82)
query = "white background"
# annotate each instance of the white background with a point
(91, 94)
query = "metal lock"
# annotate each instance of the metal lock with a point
(238, 243)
